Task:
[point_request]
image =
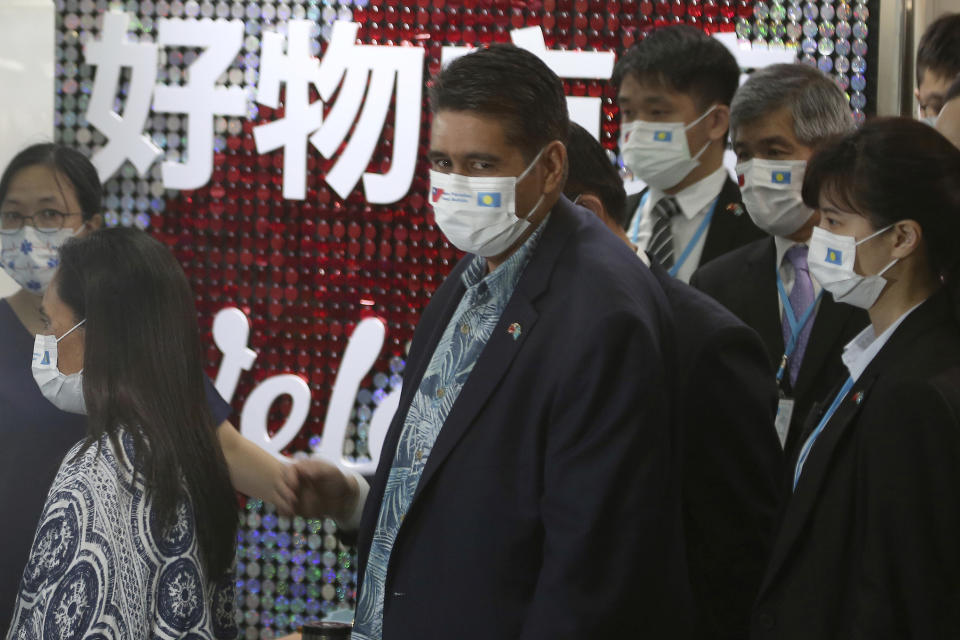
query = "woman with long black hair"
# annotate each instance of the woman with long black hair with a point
(869, 546)
(137, 535)
(50, 193)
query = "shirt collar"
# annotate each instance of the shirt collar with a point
(507, 274)
(860, 352)
(695, 198)
(783, 245)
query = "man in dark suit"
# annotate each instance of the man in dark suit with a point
(674, 90)
(732, 462)
(528, 486)
(778, 117)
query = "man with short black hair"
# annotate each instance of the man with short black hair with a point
(938, 63)
(732, 462)
(948, 122)
(674, 92)
(778, 118)
(528, 485)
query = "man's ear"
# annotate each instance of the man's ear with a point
(719, 122)
(555, 163)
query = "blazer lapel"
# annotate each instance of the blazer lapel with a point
(829, 328)
(815, 470)
(760, 301)
(722, 234)
(504, 345)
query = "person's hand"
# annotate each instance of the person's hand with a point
(321, 490)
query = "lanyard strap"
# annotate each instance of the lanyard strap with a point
(808, 445)
(796, 326)
(690, 245)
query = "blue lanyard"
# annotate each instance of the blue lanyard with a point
(796, 326)
(690, 245)
(844, 390)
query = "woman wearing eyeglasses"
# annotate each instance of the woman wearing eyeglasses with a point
(869, 545)
(50, 193)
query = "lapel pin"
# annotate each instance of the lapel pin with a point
(735, 208)
(515, 330)
(858, 397)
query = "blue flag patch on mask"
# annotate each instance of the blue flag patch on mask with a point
(488, 199)
(835, 256)
(780, 177)
(662, 136)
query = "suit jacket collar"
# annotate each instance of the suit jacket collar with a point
(935, 311)
(504, 344)
(726, 228)
(759, 297)
(490, 368)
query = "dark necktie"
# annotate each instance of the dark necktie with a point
(660, 246)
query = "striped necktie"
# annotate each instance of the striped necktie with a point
(660, 246)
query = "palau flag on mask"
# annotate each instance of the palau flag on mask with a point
(488, 199)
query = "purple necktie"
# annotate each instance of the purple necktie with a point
(801, 297)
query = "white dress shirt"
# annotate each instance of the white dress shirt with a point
(695, 201)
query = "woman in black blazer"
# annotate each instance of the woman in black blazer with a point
(869, 545)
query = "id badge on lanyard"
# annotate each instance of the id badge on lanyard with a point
(785, 404)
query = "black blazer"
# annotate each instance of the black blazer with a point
(870, 543)
(745, 282)
(549, 506)
(732, 463)
(730, 228)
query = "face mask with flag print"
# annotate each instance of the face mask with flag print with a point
(479, 215)
(657, 152)
(771, 193)
(831, 258)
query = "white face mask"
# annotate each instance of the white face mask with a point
(831, 258)
(657, 152)
(479, 215)
(65, 392)
(771, 192)
(30, 256)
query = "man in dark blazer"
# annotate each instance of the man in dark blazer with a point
(676, 85)
(732, 462)
(778, 117)
(547, 505)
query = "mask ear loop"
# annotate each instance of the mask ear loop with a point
(71, 330)
(695, 123)
(875, 234)
(523, 175)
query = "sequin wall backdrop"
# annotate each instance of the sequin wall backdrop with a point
(306, 272)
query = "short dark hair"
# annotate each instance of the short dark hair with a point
(591, 171)
(511, 84)
(953, 91)
(142, 371)
(64, 160)
(684, 59)
(894, 169)
(939, 49)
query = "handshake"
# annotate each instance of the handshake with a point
(315, 488)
